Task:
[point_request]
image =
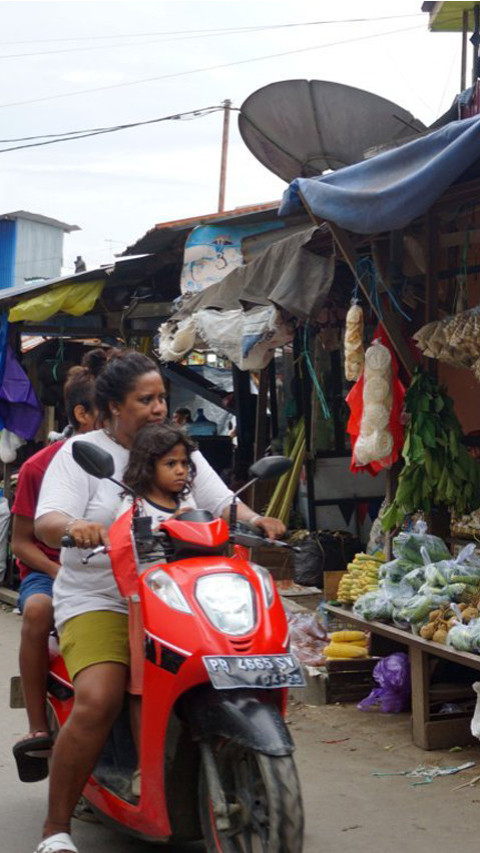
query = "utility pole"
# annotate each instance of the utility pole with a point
(223, 166)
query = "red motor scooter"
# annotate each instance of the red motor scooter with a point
(216, 756)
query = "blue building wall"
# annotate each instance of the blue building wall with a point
(8, 244)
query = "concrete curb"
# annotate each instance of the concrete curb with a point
(8, 596)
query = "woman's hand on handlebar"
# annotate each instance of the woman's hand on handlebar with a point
(273, 528)
(88, 534)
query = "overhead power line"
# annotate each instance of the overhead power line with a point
(206, 68)
(52, 138)
(214, 30)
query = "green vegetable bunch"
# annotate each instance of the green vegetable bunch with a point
(438, 469)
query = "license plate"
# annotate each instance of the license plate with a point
(260, 671)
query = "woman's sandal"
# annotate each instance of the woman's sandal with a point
(59, 843)
(31, 754)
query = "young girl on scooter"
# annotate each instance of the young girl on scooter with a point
(160, 472)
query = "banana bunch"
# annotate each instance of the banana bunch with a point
(438, 469)
(361, 577)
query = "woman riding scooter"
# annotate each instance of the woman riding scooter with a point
(89, 613)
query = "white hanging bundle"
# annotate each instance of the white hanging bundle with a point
(353, 346)
(375, 441)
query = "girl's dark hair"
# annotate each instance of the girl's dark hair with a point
(151, 443)
(117, 376)
(79, 390)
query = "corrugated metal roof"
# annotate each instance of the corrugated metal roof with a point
(448, 17)
(119, 270)
(38, 217)
(174, 233)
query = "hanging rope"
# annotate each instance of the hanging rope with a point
(318, 388)
(368, 275)
(59, 358)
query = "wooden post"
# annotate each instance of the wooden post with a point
(307, 386)
(273, 399)
(431, 283)
(420, 680)
(223, 165)
(476, 28)
(260, 435)
(463, 73)
(261, 416)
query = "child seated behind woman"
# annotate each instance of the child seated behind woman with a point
(160, 472)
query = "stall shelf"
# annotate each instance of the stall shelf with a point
(428, 731)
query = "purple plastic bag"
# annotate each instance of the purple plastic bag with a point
(393, 676)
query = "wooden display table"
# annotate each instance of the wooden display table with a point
(449, 730)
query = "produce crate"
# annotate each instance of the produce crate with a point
(349, 680)
(341, 680)
(279, 561)
(308, 597)
(330, 584)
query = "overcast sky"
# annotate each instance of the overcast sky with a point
(117, 186)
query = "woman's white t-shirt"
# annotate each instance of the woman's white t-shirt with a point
(68, 489)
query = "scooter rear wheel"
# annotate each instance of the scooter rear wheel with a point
(264, 791)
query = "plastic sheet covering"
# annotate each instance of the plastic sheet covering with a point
(248, 338)
(390, 190)
(288, 274)
(74, 299)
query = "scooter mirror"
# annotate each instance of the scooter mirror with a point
(270, 467)
(95, 461)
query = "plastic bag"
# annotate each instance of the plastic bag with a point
(465, 568)
(395, 570)
(465, 638)
(393, 695)
(374, 605)
(408, 546)
(309, 563)
(475, 724)
(321, 550)
(308, 638)
(416, 609)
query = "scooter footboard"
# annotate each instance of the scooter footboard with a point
(239, 716)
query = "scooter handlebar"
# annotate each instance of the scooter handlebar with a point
(243, 534)
(68, 541)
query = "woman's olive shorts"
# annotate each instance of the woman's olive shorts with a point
(100, 636)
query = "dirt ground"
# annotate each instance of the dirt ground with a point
(348, 809)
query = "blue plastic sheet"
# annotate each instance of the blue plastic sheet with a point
(389, 190)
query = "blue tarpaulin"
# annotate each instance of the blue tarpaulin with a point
(389, 190)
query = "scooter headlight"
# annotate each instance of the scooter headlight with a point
(167, 590)
(266, 582)
(228, 602)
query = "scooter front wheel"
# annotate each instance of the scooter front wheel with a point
(264, 801)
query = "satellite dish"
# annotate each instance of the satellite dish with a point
(301, 128)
